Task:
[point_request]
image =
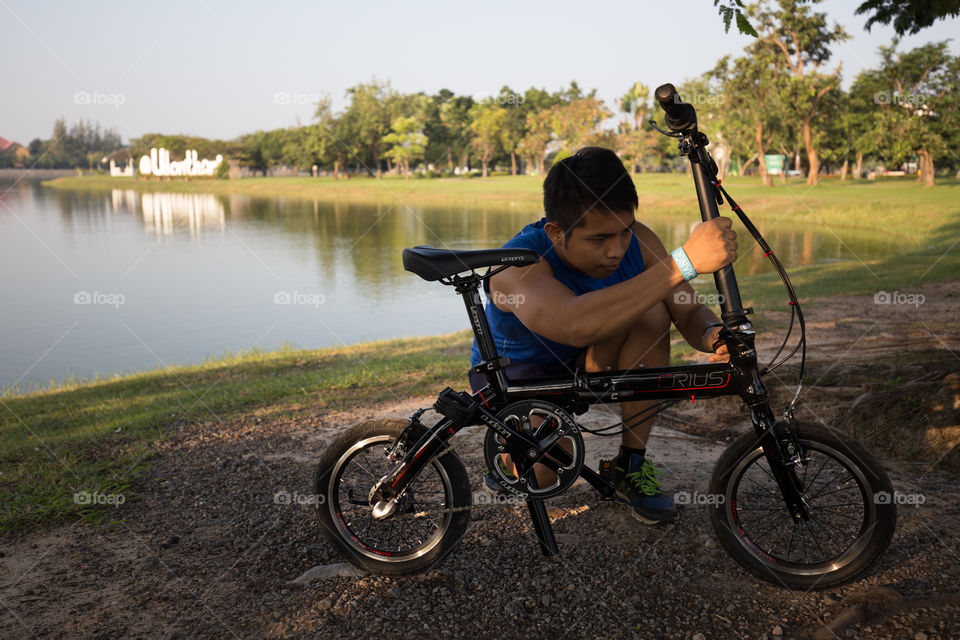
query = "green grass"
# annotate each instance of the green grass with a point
(96, 436)
(882, 204)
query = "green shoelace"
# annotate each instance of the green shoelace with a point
(645, 479)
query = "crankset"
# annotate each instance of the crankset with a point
(561, 449)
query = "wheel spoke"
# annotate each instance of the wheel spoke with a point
(817, 474)
(820, 495)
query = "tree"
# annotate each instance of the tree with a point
(908, 16)
(456, 119)
(514, 124)
(407, 143)
(754, 115)
(732, 10)
(634, 140)
(533, 145)
(803, 40)
(575, 123)
(914, 106)
(486, 125)
(368, 118)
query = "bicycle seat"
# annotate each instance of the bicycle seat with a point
(431, 263)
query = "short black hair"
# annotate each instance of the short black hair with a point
(592, 178)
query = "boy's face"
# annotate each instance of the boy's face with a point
(597, 247)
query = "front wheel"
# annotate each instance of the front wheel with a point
(433, 513)
(849, 500)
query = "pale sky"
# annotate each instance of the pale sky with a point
(219, 69)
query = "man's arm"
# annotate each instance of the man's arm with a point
(691, 318)
(544, 305)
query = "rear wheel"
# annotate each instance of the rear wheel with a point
(848, 495)
(432, 517)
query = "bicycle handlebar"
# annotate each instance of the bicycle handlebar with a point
(680, 115)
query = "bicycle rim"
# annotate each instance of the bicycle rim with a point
(840, 504)
(420, 521)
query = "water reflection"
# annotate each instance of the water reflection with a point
(195, 212)
(201, 273)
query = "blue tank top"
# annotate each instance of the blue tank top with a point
(516, 341)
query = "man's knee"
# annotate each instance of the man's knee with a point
(655, 322)
(649, 339)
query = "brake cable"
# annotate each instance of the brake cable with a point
(795, 310)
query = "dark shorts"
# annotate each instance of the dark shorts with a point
(521, 370)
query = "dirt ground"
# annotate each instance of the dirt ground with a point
(204, 549)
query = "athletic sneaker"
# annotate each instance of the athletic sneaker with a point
(639, 488)
(490, 483)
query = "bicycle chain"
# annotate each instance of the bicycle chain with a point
(494, 503)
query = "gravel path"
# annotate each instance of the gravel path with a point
(204, 550)
(207, 552)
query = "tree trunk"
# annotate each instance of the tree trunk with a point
(513, 163)
(406, 170)
(843, 170)
(812, 157)
(859, 170)
(483, 163)
(336, 169)
(926, 168)
(450, 159)
(761, 160)
(376, 163)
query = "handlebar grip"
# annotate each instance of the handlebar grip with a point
(681, 116)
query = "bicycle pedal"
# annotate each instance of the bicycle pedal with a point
(608, 473)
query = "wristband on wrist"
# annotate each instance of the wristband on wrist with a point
(684, 264)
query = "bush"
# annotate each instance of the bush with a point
(223, 170)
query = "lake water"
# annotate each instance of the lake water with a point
(102, 282)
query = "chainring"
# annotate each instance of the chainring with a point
(554, 427)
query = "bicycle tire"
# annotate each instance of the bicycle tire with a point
(376, 437)
(868, 538)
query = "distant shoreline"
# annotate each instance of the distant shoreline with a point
(505, 191)
(37, 174)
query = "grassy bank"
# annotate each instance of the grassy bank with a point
(96, 436)
(923, 222)
(901, 205)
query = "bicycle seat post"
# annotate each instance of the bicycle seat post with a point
(492, 364)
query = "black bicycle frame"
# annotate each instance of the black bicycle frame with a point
(740, 376)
